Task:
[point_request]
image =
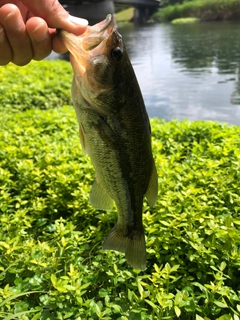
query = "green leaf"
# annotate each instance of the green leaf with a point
(177, 311)
(151, 303)
(54, 279)
(225, 317)
(223, 265)
(220, 304)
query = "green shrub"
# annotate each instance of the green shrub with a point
(51, 262)
(40, 85)
(203, 9)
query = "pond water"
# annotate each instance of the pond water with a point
(188, 71)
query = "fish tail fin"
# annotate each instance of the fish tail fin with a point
(133, 246)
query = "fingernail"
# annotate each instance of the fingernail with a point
(10, 19)
(38, 34)
(2, 35)
(78, 21)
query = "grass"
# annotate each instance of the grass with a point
(51, 262)
(203, 9)
(125, 15)
(185, 20)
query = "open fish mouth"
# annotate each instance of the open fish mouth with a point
(91, 43)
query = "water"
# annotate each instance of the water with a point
(188, 71)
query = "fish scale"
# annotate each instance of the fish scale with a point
(115, 133)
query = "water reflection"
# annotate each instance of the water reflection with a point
(235, 96)
(188, 71)
(207, 44)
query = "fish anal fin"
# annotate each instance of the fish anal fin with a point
(134, 247)
(99, 199)
(152, 190)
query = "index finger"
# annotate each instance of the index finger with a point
(56, 16)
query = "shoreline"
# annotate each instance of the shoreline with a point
(205, 10)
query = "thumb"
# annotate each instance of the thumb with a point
(56, 16)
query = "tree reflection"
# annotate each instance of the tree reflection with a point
(202, 45)
(235, 96)
(200, 48)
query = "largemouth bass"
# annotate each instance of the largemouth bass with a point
(115, 133)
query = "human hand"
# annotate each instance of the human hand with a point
(28, 29)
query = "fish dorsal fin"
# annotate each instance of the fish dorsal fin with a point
(152, 190)
(99, 199)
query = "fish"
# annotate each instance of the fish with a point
(115, 133)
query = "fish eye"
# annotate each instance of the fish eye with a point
(117, 54)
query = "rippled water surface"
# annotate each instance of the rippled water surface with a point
(188, 71)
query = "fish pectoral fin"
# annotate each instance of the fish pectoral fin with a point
(134, 247)
(83, 140)
(152, 190)
(99, 199)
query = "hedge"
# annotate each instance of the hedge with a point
(51, 262)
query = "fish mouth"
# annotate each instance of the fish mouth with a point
(91, 43)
